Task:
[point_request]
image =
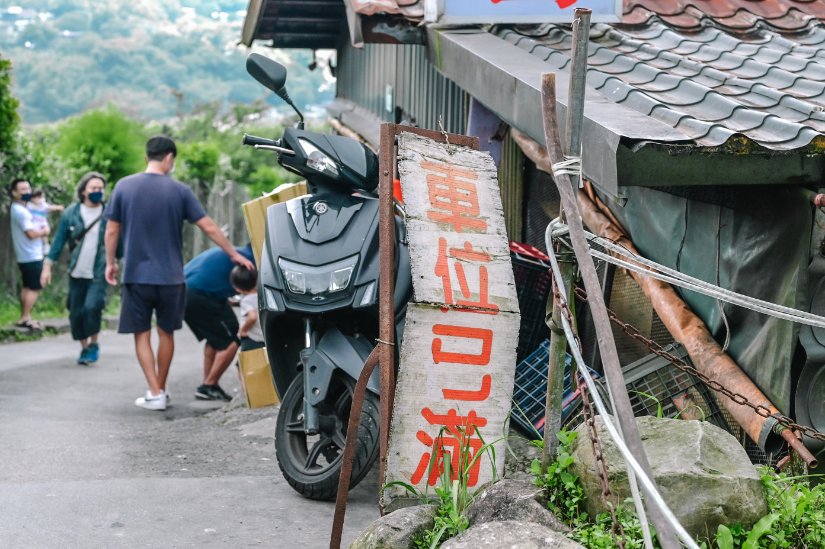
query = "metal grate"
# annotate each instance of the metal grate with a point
(530, 391)
(533, 285)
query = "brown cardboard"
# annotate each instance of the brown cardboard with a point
(254, 212)
(256, 378)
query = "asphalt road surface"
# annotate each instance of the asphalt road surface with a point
(82, 466)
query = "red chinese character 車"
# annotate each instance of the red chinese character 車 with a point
(453, 197)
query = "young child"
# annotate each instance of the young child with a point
(40, 210)
(245, 283)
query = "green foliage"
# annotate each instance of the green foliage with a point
(796, 516)
(103, 140)
(9, 119)
(565, 498)
(565, 495)
(795, 519)
(452, 495)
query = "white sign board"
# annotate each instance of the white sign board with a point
(519, 11)
(458, 356)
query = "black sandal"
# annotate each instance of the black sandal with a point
(29, 325)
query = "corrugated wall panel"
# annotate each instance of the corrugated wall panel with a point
(511, 182)
(423, 94)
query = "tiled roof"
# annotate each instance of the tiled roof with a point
(684, 66)
(731, 15)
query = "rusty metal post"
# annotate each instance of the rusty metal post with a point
(354, 423)
(386, 284)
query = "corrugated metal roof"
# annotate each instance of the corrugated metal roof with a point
(710, 84)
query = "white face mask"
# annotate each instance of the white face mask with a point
(172, 169)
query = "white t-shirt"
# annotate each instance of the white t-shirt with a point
(85, 266)
(26, 249)
(249, 302)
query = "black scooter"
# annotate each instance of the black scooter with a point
(317, 293)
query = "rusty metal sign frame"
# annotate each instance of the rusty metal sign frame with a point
(384, 352)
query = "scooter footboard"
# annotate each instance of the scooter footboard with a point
(337, 351)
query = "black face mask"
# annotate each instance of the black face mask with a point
(26, 197)
(96, 197)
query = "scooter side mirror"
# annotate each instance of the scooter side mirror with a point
(273, 76)
(269, 73)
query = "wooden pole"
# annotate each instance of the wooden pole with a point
(604, 333)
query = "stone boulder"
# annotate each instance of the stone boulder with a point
(702, 472)
(510, 534)
(397, 530)
(513, 500)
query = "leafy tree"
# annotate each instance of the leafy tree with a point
(201, 162)
(103, 140)
(9, 119)
(17, 158)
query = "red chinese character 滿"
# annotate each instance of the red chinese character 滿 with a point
(461, 255)
(453, 197)
(458, 441)
(465, 332)
(471, 396)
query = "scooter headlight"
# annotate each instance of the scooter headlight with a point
(317, 281)
(317, 160)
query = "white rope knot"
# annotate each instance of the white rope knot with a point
(571, 165)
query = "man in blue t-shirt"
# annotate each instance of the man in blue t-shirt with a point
(146, 212)
(210, 317)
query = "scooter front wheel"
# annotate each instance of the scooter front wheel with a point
(311, 464)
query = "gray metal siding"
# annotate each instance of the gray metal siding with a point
(418, 88)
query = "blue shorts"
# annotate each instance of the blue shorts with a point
(139, 301)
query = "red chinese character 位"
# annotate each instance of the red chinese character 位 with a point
(457, 442)
(453, 197)
(464, 332)
(461, 256)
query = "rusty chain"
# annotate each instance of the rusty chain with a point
(616, 530)
(759, 409)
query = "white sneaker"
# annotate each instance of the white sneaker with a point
(150, 402)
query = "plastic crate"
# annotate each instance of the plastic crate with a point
(531, 271)
(530, 391)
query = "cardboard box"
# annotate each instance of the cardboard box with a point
(256, 378)
(254, 213)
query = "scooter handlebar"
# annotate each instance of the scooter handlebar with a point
(253, 140)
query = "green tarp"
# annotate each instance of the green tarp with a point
(752, 240)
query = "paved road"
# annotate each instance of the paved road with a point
(81, 466)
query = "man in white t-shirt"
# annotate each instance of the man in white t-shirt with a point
(28, 249)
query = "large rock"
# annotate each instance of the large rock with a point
(702, 472)
(513, 500)
(510, 534)
(398, 529)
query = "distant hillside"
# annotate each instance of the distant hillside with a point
(151, 58)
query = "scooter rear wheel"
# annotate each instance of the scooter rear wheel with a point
(312, 464)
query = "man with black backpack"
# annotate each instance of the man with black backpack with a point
(82, 227)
